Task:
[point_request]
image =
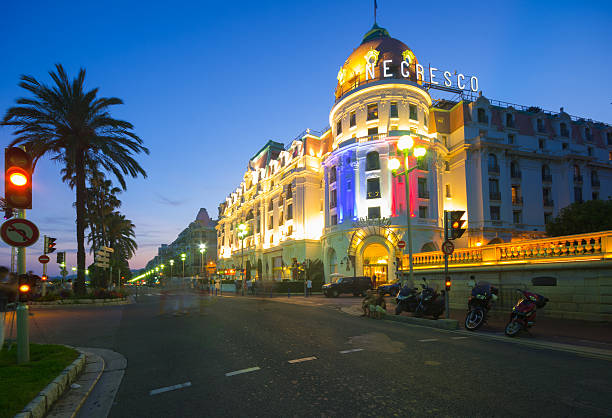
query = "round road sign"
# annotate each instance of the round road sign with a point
(44, 259)
(401, 244)
(19, 232)
(448, 247)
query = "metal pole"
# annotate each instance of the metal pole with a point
(447, 295)
(242, 263)
(409, 221)
(23, 334)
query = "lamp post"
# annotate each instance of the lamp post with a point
(171, 264)
(242, 232)
(183, 257)
(202, 251)
(405, 147)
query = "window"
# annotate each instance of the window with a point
(425, 120)
(594, 179)
(332, 175)
(516, 195)
(271, 239)
(590, 151)
(587, 134)
(352, 120)
(494, 213)
(482, 116)
(289, 212)
(515, 173)
(422, 188)
(448, 191)
(333, 198)
(271, 222)
(393, 111)
(563, 130)
(257, 226)
(422, 164)
(517, 217)
(494, 193)
(546, 176)
(546, 193)
(290, 230)
(595, 195)
(422, 211)
(547, 217)
(446, 141)
(509, 121)
(564, 145)
(289, 191)
(511, 139)
(540, 125)
(446, 166)
(493, 167)
(372, 161)
(541, 143)
(374, 212)
(413, 112)
(334, 220)
(373, 188)
(394, 127)
(609, 137)
(373, 111)
(578, 194)
(577, 176)
(373, 131)
(339, 127)
(281, 219)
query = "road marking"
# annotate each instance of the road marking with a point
(428, 340)
(299, 360)
(351, 351)
(169, 388)
(250, 369)
(458, 338)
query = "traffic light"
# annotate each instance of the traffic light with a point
(17, 178)
(448, 283)
(61, 258)
(456, 224)
(50, 244)
(43, 278)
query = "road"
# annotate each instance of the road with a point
(347, 366)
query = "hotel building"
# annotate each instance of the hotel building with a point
(331, 196)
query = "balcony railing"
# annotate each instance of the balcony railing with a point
(495, 195)
(548, 203)
(578, 179)
(423, 194)
(586, 246)
(494, 169)
(516, 175)
(547, 178)
(595, 183)
(517, 200)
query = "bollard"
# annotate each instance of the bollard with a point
(23, 334)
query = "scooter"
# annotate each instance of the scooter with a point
(430, 302)
(480, 302)
(523, 314)
(406, 299)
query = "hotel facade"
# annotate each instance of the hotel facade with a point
(330, 196)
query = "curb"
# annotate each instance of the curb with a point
(46, 305)
(447, 324)
(41, 404)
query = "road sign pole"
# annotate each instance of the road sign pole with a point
(447, 295)
(23, 334)
(44, 285)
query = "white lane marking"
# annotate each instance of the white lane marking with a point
(458, 338)
(428, 340)
(351, 351)
(169, 388)
(299, 360)
(250, 369)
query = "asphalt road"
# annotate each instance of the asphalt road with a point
(394, 369)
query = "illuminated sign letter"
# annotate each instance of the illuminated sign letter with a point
(474, 83)
(420, 71)
(432, 76)
(369, 71)
(447, 81)
(404, 69)
(386, 68)
(460, 78)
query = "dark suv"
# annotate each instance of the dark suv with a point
(358, 286)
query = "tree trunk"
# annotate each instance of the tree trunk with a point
(79, 284)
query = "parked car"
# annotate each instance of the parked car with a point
(391, 289)
(358, 286)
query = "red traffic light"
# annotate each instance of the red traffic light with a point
(43, 278)
(17, 178)
(24, 288)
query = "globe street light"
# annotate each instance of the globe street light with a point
(242, 233)
(202, 251)
(405, 146)
(183, 257)
(171, 264)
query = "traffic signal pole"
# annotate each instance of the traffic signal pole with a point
(23, 334)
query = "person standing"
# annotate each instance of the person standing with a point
(308, 287)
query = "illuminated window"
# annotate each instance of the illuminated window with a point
(516, 195)
(423, 212)
(413, 112)
(373, 111)
(372, 161)
(494, 210)
(281, 219)
(393, 110)
(339, 127)
(352, 119)
(374, 212)
(373, 131)
(373, 188)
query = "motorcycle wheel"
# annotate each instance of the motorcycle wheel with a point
(513, 328)
(474, 319)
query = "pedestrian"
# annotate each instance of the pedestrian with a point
(308, 287)
(217, 287)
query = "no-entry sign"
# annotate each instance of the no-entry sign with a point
(401, 244)
(44, 259)
(448, 247)
(19, 232)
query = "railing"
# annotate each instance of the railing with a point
(578, 179)
(494, 170)
(548, 203)
(516, 175)
(547, 178)
(517, 200)
(423, 194)
(596, 246)
(595, 182)
(495, 196)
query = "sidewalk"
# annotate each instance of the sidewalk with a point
(576, 332)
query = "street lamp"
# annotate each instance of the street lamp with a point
(202, 251)
(242, 233)
(405, 146)
(183, 257)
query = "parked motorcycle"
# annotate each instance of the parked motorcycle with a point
(406, 299)
(480, 302)
(430, 302)
(523, 314)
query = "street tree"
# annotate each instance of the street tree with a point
(582, 218)
(74, 127)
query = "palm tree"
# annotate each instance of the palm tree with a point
(120, 236)
(75, 128)
(102, 201)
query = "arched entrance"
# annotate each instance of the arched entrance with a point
(375, 263)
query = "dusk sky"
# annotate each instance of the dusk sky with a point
(206, 84)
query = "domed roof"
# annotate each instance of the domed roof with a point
(377, 46)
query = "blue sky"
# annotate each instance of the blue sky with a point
(206, 84)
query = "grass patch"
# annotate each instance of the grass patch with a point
(20, 383)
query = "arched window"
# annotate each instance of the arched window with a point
(546, 173)
(372, 161)
(493, 163)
